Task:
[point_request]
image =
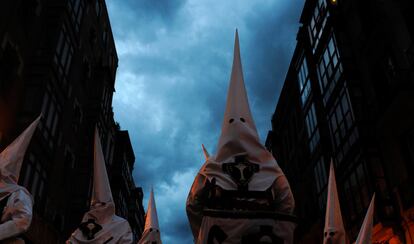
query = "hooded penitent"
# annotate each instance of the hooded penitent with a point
(16, 203)
(151, 234)
(334, 231)
(241, 167)
(365, 234)
(100, 224)
(239, 139)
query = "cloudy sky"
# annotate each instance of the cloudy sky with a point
(175, 61)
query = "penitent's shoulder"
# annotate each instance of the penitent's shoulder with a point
(21, 195)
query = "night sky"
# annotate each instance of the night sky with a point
(174, 67)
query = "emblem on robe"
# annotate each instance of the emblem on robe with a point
(241, 171)
(265, 235)
(90, 228)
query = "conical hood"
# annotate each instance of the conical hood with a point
(151, 232)
(100, 222)
(206, 154)
(237, 106)
(365, 234)
(238, 119)
(239, 146)
(151, 219)
(334, 230)
(101, 188)
(11, 158)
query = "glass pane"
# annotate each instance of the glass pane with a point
(331, 46)
(326, 58)
(345, 104)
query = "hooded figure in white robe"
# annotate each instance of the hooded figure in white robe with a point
(365, 234)
(334, 231)
(151, 234)
(240, 194)
(16, 203)
(100, 224)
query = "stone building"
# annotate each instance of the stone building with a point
(58, 58)
(348, 95)
(128, 197)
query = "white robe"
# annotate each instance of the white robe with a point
(17, 214)
(115, 230)
(235, 229)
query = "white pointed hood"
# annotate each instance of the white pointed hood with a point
(151, 232)
(365, 234)
(102, 205)
(11, 159)
(334, 230)
(239, 138)
(102, 209)
(101, 188)
(206, 154)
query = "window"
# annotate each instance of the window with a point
(35, 178)
(104, 36)
(31, 9)
(76, 8)
(86, 70)
(342, 126)
(304, 82)
(106, 100)
(98, 8)
(321, 181)
(51, 113)
(109, 150)
(63, 54)
(329, 69)
(112, 62)
(311, 125)
(318, 23)
(357, 191)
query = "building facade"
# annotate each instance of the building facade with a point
(348, 97)
(58, 58)
(128, 197)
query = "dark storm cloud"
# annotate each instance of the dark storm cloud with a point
(269, 50)
(174, 65)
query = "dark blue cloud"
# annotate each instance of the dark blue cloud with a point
(174, 65)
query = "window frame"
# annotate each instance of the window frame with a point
(329, 68)
(311, 122)
(342, 124)
(318, 23)
(63, 55)
(76, 11)
(304, 81)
